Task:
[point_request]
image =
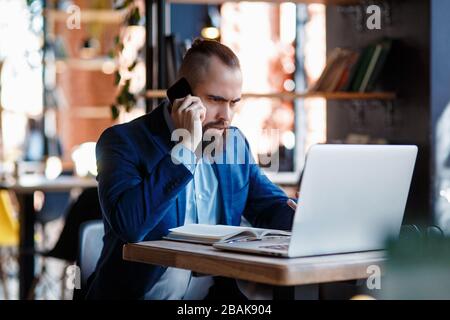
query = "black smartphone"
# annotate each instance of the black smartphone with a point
(178, 90)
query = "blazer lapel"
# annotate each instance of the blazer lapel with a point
(159, 128)
(162, 136)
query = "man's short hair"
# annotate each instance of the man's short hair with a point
(196, 60)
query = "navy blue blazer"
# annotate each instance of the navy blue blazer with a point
(140, 195)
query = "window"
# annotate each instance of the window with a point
(21, 75)
(282, 49)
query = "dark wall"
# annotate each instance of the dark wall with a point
(186, 20)
(408, 74)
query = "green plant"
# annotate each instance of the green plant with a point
(125, 99)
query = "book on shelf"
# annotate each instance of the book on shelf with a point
(209, 234)
(371, 67)
(337, 72)
(349, 71)
(354, 71)
(332, 73)
(366, 57)
(380, 66)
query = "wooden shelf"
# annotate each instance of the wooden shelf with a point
(96, 64)
(326, 2)
(304, 95)
(117, 16)
(107, 16)
(112, 16)
(325, 95)
(91, 112)
(155, 94)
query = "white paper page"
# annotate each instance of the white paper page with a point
(207, 231)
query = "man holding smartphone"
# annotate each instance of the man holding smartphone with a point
(145, 188)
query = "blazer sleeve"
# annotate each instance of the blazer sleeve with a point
(266, 203)
(133, 200)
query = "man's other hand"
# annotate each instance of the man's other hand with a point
(291, 203)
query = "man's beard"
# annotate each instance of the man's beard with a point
(219, 141)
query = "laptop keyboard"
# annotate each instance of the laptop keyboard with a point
(281, 247)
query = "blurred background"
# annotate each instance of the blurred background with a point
(315, 71)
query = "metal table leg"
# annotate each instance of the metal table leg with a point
(26, 247)
(305, 292)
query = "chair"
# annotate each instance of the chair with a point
(85, 208)
(9, 236)
(54, 207)
(9, 226)
(91, 244)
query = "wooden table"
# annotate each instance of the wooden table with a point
(283, 273)
(24, 189)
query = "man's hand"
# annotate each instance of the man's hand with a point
(291, 203)
(189, 113)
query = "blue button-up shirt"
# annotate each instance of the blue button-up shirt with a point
(202, 206)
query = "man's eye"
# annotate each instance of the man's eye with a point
(234, 103)
(214, 99)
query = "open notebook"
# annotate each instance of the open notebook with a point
(209, 234)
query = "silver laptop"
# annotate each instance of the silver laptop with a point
(352, 198)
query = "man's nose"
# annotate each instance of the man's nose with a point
(225, 113)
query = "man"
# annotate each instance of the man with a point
(146, 189)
